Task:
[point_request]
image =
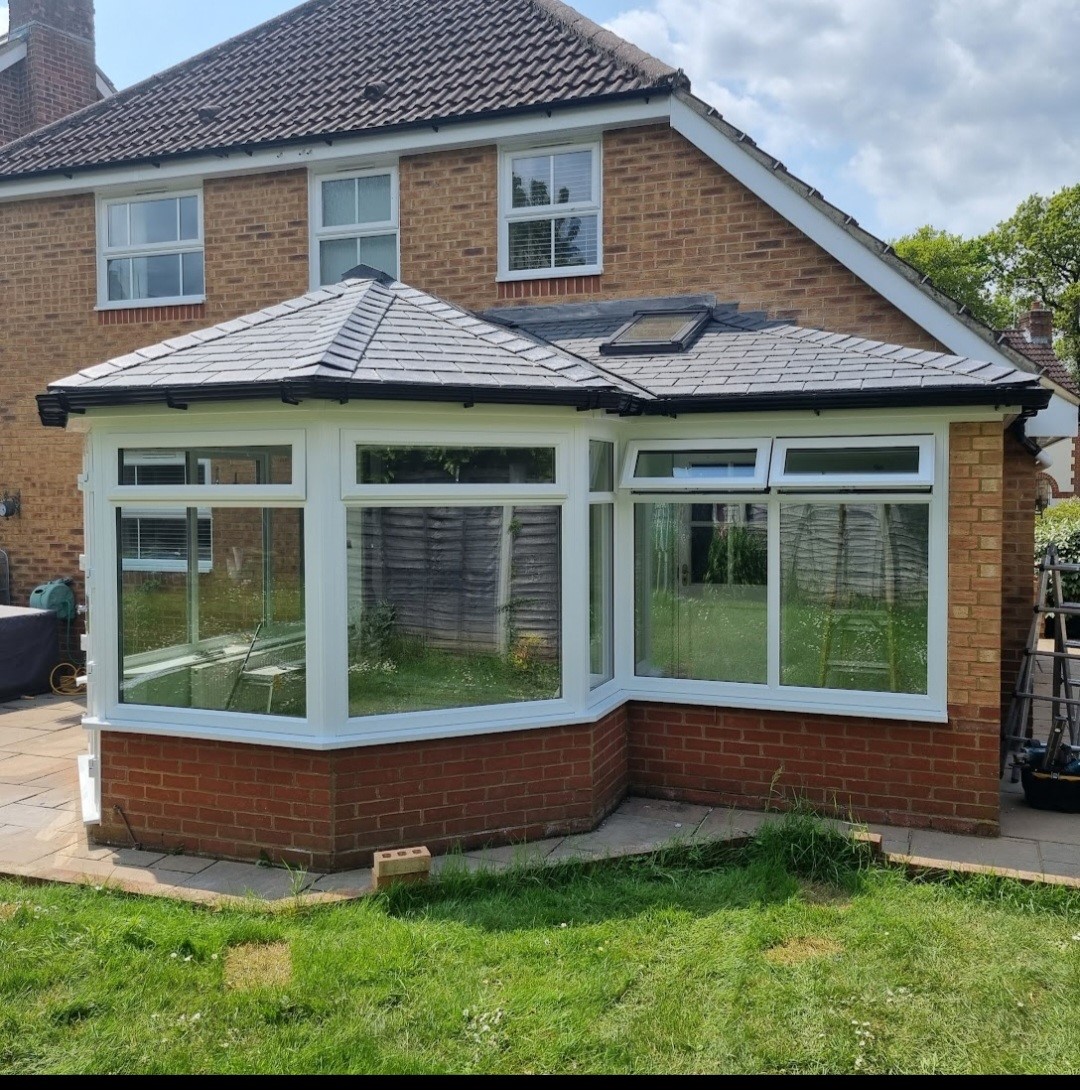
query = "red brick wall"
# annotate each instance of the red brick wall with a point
(14, 118)
(334, 809)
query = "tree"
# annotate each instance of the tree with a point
(961, 268)
(1035, 253)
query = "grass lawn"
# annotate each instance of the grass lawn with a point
(682, 964)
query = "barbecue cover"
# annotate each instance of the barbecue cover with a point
(29, 649)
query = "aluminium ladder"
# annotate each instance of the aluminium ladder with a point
(1064, 699)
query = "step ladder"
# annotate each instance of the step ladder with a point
(1064, 700)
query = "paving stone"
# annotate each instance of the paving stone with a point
(183, 864)
(893, 839)
(12, 739)
(13, 792)
(618, 835)
(687, 814)
(18, 847)
(32, 817)
(1001, 853)
(26, 766)
(134, 857)
(245, 879)
(455, 863)
(729, 824)
(56, 798)
(527, 853)
(346, 880)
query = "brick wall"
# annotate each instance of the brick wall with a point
(14, 119)
(332, 810)
(673, 222)
(256, 255)
(1017, 561)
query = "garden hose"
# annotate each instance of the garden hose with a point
(64, 679)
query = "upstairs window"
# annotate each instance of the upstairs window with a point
(550, 224)
(150, 250)
(356, 223)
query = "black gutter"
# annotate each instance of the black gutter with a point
(1026, 397)
(55, 407)
(665, 87)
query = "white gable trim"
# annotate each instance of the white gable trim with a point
(833, 238)
(12, 54)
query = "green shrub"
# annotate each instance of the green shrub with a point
(1060, 525)
(737, 555)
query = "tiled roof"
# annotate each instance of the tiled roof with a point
(1044, 355)
(376, 338)
(363, 332)
(332, 67)
(745, 354)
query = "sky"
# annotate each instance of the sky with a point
(902, 113)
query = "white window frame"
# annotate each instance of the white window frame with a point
(508, 214)
(921, 478)
(598, 684)
(139, 513)
(758, 482)
(319, 234)
(106, 253)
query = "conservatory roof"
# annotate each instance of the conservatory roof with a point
(378, 339)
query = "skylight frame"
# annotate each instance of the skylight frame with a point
(696, 319)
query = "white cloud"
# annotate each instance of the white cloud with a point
(941, 111)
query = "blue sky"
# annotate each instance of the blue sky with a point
(941, 111)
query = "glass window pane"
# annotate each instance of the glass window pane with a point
(453, 607)
(118, 274)
(339, 202)
(851, 461)
(601, 594)
(576, 241)
(156, 277)
(336, 258)
(711, 465)
(373, 199)
(380, 252)
(189, 217)
(573, 176)
(154, 221)
(118, 224)
(228, 635)
(853, 591)
(601, 466)
(530, 180)
(194, 283)
(700, 616)
(206, 465)
(156, 540)
(531, 244)
(654, 327)
(455, 465)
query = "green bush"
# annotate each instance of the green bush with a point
(1060, 525)
(737, 555)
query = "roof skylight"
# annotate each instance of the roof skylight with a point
(653, 332)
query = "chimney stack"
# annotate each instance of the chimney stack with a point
(1038, 324)
(52, 69)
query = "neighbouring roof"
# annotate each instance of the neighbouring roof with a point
(1043, 355)
(373, 338)
(331, 68)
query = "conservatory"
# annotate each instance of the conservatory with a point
(312, 532)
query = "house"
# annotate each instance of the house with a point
(498, 449)
(1034, 337)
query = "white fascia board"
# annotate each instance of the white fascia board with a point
(353, 151)
(833, 238)
(12, 54)
(104, 88)
(1059, 419)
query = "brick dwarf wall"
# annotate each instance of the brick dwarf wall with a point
(332, 810)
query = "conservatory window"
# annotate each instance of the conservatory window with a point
(453, 606)
(396, 465)
(869, 462)
(226, 637)
(692, 466)
(179, 469)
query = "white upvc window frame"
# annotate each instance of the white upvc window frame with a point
(319, 234)
(508, 214)
(923, 477)
(771, 695)
(107, 253)
(599, 687)
(758, 482)
(574, 668)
